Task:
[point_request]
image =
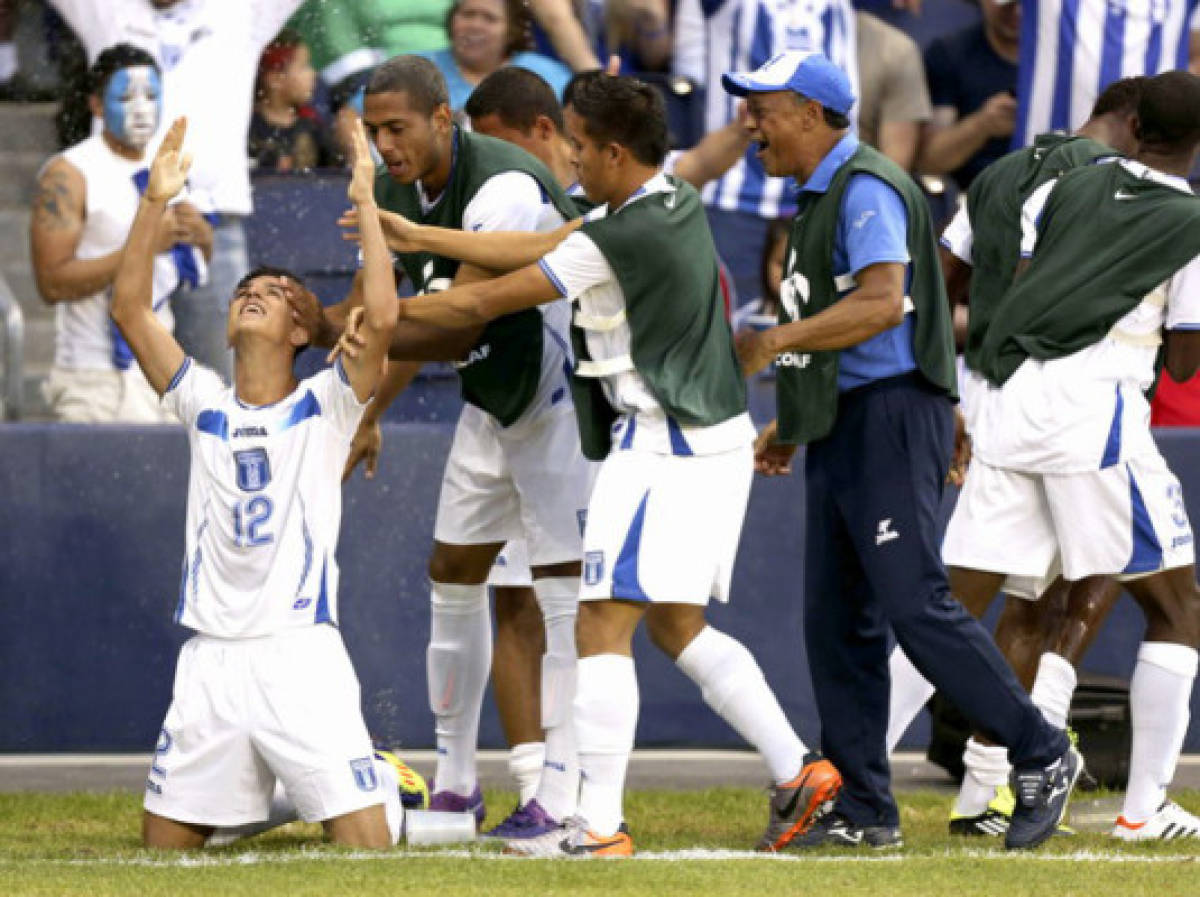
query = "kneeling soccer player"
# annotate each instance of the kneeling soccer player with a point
(264, 690)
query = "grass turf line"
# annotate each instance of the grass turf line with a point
(87, 844)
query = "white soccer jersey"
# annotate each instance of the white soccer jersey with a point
(1072, 49)
(717, 36)
(264, 503)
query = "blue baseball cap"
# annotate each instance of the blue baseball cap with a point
(810, 74)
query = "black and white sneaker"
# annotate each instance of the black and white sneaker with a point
(836, 830)
(1042, 796)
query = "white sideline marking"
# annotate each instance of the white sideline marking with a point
(695, 854)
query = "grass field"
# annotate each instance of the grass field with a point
(689, 842)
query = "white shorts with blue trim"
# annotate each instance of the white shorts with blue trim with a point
(1126, 520)
(511, 569)
(665, 528)
(247, 712)
(527, 481)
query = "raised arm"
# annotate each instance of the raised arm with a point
(156, 350)
(497, 251)
(378, 283)
(483, 301)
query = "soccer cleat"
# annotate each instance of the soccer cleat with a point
(794, 806)
(414, 793)
(449, 802)
(1170, 822)
(992, 822)
(574, 840)
(835, 830)
(529, 820)
(1042, 795)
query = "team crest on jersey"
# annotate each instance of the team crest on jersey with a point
(253, 469)
(593, 567)
(364, 774)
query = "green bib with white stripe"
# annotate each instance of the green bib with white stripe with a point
(501, 372)
(662, 253)
(807, 382)
(1108, 237)
(994, 204)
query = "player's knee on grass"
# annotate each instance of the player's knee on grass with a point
(462, 564)
(673, 626)
(168, 834)
(365, 828)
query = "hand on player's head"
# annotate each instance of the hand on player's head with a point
(169, 170)
(362, 180)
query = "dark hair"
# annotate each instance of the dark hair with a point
(1121, 97)
(414, 75)
(1169, 113)
(112, 60)
(520, 25)
(839, 121)
(517, 97)
(276, 57)
(623, 110)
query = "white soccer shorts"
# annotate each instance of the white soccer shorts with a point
(1127, 520)
(246, 712)
(528, 480)
(665, 528)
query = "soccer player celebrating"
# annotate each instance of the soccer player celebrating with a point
(661, 401)
(982, 246)
(865, 356)
(1062, 433)
(264, 690)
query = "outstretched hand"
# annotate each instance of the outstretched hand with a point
(398, 231)
(362, 179)
(169, 170)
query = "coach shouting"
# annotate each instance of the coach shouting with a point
(865, 357)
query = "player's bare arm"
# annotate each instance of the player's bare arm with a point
(495, 251)
(156, 350)
(877, 305)
(477, 303)
(1183, 354)
(379, 306)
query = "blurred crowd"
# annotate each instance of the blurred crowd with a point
(945, 88)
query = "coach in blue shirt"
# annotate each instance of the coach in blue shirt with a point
(865, 362)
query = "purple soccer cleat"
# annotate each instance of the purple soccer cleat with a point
(449, 802)
(527, 821)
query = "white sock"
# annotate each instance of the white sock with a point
(987, 768)
(606, 712)
(1053, 688)
(458, 662)
(733, 685)
(389, 783)
(525, 765)
(910, 693)
(558, 790)
(1158, 702)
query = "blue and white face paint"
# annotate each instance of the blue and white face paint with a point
(132, 105)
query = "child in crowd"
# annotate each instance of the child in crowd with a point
(286, 133)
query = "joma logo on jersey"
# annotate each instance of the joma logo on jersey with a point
(253, 469)
(479, 353)
(249, 431)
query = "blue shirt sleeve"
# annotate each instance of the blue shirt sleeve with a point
(874, 224)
